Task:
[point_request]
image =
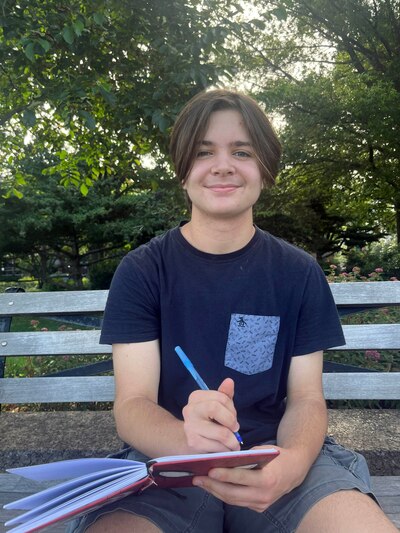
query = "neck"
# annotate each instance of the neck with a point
(222, 237)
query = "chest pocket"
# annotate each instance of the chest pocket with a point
(251, 343)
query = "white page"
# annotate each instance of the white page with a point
(80, 502)
(31, 501)
(70, 468)
(64, 495)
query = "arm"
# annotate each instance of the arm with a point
(140, 421)
(300, 437)
(144, 424)
(303, 427)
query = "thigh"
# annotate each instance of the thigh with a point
(347, 511)
(335, 469)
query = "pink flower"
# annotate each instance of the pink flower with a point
(394, 279)
(379, 270)
(333, 267)
(34, 323)
(373, 355)
(44, 329)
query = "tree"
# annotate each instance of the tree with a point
(330, 70)
(98, 84)
(54, 229)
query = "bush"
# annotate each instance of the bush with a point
(101, 274)
(384, 255)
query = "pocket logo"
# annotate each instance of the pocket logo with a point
(251, 343)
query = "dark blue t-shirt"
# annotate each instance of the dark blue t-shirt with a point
(241, 315)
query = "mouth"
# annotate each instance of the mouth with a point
(224, 188)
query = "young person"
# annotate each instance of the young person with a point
(254, 314)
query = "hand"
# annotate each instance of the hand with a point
(256, 489)
(210, 420)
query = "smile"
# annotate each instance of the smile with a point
(223, 188)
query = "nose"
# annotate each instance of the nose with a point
(222, 165)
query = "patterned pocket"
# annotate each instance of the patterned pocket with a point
(251, 343)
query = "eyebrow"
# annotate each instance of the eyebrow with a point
(235, 143)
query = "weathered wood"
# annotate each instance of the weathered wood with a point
(54, 390)
(362, 386)
(371, 336)
(358, 337)
(356, 386)
(358, 294)
(81, 302)
(52, 343)
(53, 303)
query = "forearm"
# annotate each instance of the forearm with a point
(303, 429)
(149, 428)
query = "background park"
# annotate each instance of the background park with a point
(90, 90)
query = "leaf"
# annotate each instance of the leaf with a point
(280, 13)
(89, 120)
(28, 118)
(44, 44)
(20, 179)
(99, 18)
(84, 189)
(108, 96)
(78, 26)
(29, 51)
(17, 193)
(68, 34)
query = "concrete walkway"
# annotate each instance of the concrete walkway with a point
(37, 437)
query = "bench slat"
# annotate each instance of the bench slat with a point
(371, 336)
(52, 303)
(357, 386)
(61, 389)
(367, 336)
(357, 294)
(52, 343)
(362, 386)
(80, 302)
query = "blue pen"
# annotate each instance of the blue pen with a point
(199, 380)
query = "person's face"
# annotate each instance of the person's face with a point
(225, 180)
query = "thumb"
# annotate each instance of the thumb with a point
(227, 387)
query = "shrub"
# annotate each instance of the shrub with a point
(384, 254)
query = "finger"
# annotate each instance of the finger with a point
(237, 476)
(197, 431)
(211, 410)
(227, 387)
(232, 494)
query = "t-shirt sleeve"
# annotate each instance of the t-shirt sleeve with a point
(131, 310)
(318, 326)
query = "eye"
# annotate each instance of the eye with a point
(242, 154)
(203, 153)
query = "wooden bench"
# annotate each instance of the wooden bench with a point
(67, 389)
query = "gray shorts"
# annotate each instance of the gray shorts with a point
(193, 510)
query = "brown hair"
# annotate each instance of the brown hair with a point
(192, 122)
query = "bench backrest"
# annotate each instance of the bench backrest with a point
(353, 385)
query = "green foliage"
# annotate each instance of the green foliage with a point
(385, 254)
(55, 233)
(98, 84)
(329, 71)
